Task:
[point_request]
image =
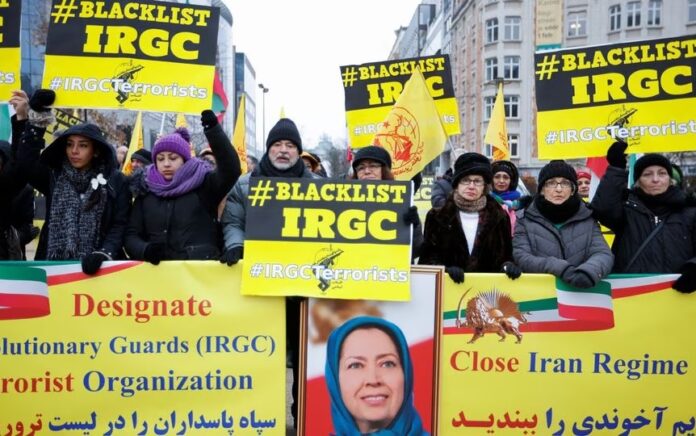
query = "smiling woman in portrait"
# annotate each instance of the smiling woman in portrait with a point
(369, 375)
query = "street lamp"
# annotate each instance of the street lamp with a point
(263, 110)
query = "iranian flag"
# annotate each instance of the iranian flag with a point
(23, 293)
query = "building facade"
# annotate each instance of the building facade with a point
(245, 85)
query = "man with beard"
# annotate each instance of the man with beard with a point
(282, 159)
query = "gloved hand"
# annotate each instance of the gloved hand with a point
(616, 155)
(93, 261)
(686, 282)
(577, 278)
(208, 119)
(524, 201)
(155, 252)
(42, 99)
(455, 273)
(411, 216)
(512, 270)
(232, 255)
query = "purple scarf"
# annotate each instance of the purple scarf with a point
(189, 177)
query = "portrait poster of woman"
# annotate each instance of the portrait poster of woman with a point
(374, 328)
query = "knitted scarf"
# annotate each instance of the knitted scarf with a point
(77, 206)
(507, 195)
(265, 168)
(188, 177)
(558, 213)
(468, 205)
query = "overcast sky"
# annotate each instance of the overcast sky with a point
(297, 47)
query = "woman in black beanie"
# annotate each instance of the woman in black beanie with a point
(654, 221)
(556, 233)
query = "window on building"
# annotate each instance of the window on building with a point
(577, 23)
(632, 14)
(654, 12)
(692, 10)
(488, 150)
(512, 106)
(492, 30)
(491, 69)
(511, 67)
(514, 144)
(488, 107)
(615, 17)
(512, 28)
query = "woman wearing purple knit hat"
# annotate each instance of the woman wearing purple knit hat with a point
(174, 216)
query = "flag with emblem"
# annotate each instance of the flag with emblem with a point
(136, 143)
(239, 136)
(496, 134)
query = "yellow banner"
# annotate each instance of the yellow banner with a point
(589, 97)
(372, 89)
(141, 56)
(564, 360)
(327, 238)
(10, 54)
(138, 349)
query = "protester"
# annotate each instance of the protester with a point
(310, 162)
(504, 190)
(175, 213)
(16, 207)
(121, 152)
(251, 163)
(556, 233)
(654, 221)
(370, 377)
(374, 163)
(282, 159)
(87, 197)
(471, 232)
(584, 180)
(442, 188)
(140, 158)
(319, 170)
(207, 155)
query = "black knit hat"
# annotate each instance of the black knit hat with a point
(508, 168)
(143, 156)
(372, 152)
(285, 128)
(557, 168)
(649, 160)
(472, 163)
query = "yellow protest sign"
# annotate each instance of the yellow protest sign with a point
(327, 238)
(10, 55)
(141, 56)
(578, 361)
(167, 349)
(641, 92)
(372, 89)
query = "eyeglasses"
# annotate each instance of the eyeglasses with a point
(372, 166)
(552, 184)
(475, 182)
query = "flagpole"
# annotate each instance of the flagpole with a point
(164, 116)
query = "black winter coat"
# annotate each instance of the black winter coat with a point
(444, 242)
(187, 224)
(16, 204)
(43, 173)
(624, 213)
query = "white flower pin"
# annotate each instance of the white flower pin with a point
(99, 180)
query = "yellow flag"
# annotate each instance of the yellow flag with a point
(413, 133)
(136, 143)
(181, 122)
(239, 136)
(496, 134)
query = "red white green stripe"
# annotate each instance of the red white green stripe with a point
(23, 293)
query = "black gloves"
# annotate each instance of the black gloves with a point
(577, 278)
(155, 252)
(93, 261)
(411, 216)
(232, 256)
(686, 282)
(524, 201)
(208, 119)
(455, 273)
(511, 270)
(42, 99)
(616, 155)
